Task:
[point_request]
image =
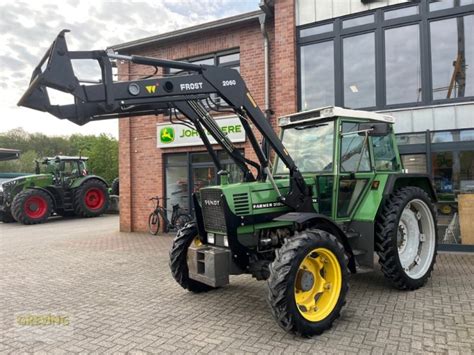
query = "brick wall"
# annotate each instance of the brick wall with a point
(141, 163)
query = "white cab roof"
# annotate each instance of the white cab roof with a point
(332, 111)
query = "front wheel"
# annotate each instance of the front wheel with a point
(153, 223)
(32, 206)
(406, 238)
(179, 258)
(308, 282)
(181, 221)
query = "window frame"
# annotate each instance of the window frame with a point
(422, 19)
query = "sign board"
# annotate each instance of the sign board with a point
(177, 135)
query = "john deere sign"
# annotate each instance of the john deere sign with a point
(177, 135)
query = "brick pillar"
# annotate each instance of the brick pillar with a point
(284, 83)
(125, 170)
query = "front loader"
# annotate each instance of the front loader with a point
(335, 194)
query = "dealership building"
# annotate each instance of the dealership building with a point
(411, 59)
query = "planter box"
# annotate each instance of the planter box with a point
(466, 217)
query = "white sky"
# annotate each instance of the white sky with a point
(27, 28)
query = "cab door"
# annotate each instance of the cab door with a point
(355, 172)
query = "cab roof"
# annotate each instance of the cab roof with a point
(332, 111)
(65, 158)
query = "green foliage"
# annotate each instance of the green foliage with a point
(102, 151)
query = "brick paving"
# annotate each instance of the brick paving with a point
(118, 295)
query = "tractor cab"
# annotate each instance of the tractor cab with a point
(341, 151)
(64, 168)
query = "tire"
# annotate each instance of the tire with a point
(153, 223)
(114, 190)
(407, 261)
(32, 206)
(178, 259)
(91, 199)
(308, 247)
(6, 217)
(181, 221)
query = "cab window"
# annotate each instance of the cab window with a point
(354, 149)
(384, 153)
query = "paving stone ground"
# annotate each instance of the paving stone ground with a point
(117, 294)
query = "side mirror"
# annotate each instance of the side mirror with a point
(374, 129)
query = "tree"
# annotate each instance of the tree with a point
(102, 151)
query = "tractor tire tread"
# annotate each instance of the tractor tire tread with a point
(18, 211)
(178, 259)
(280, 271)
(386, 248)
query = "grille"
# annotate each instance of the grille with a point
(213, 210)
(241, 203)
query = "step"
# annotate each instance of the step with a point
(358, 252)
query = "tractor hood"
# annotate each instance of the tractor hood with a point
(42, 179)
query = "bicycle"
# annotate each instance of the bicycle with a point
(179, 217)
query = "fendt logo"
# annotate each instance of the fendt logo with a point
(212, 202)
(167, 135)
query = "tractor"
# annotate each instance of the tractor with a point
(335, 194)
(64, 187)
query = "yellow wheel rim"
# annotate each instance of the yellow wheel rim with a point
(318, 284)
(197, 242)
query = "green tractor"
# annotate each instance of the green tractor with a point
(64, 187)
(335, 195)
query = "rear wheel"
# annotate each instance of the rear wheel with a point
(153, 223)
(308, 282)
(114, 189)
(91, 199)
(179, 258)
(32, 206)
(406, 238)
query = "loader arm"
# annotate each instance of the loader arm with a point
(185, 93)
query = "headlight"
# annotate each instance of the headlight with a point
(226, 241)
(211, 238)
(1, 187)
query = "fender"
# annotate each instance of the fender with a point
(78, 182)
(423, 181)
(310, 219)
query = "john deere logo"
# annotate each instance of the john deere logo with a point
(167, 135)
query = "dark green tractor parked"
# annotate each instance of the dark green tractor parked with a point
(64, 187)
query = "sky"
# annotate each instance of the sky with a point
(27, 28)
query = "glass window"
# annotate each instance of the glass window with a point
(359, 71)
(446, 4)
(411, 138)
(177, 183)
(358, 21)
(414, 163)
(310, 146)
(317, 75)
(384, 154)
(405, 11)
(234, 57)
(402, 65)
(348, 195)
(316, 30)
(207, 61)
(452, 136)
(467, 135)
(354, 151)
(452, 52)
